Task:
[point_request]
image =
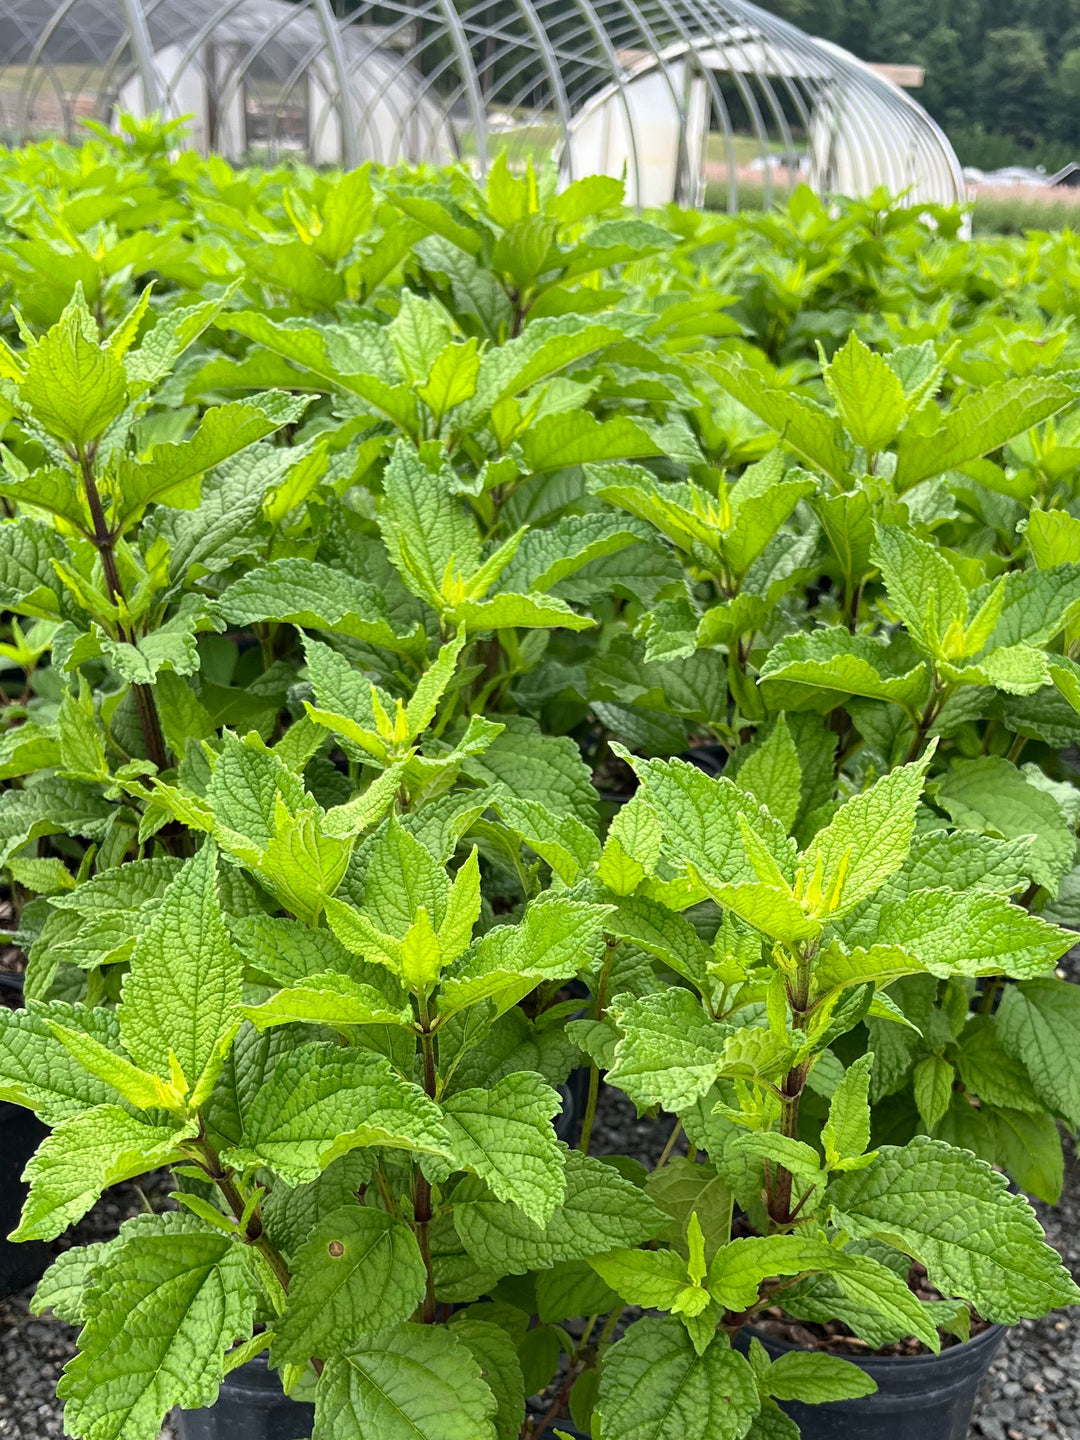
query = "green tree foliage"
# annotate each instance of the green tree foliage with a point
(998, 76)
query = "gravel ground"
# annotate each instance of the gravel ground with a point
(1031, 1393)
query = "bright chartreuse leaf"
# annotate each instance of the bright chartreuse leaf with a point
(846, 1133)
(326, 999)
(73, 385)
(557, 938)
(868, 395)
(655, 1279)
(84, 1155)
(866, 842)
(38, 1071)
(924, 590)
(665, 934)
(739, 1268)
(818, 670)
(972, 933)
(806, 427)
(171, 473)
(669, 1052)
(981, 422)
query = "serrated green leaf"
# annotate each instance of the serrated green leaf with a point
(739, 1268)
(62, 1289)
(932, 1082)
(83, 1156)
(981, 422)
(866, 842)
(73, 385)
(504, 1135)
(923, 589)
(38, 1071)
(992, 796)
(1038, 1024)
(846, 1133)
(817, 671)
(322, 1102)
(868, 395)
(772, 775)
(181, 997)
(670, 1051)
(555, 940)
(312, 595)
(328, 999)
(977, 933)
(359, 1272)
(814, 1379)
(956, 1215)
(171, 474)
(654, 1279)
(566, 843)
(496, 1353)
(419, 1382)
(600, 1211)
(807, 428)
(170, 1298)
(655, 1386)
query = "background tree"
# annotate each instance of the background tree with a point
(1002, 76)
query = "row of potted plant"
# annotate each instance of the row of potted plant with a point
(368, 576)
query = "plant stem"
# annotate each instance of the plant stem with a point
(780, 1212)
(557, 1405)
(991, 990)
(254, 1234)
(665, 1154)
(930, 714)
(609, 1330)
(611, 944)
(590, 1107)
(422, 1188)
(103, 541)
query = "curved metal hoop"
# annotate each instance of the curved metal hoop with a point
(676, 94)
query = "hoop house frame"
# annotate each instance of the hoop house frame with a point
(675, 93)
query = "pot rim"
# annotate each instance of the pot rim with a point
(986, 1339)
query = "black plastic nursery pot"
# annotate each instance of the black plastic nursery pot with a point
(21, 1132)
(924, 1397)
(250, 1406)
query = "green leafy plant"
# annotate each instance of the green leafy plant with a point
(355, 572)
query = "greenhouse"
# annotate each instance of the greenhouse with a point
(674, 92)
